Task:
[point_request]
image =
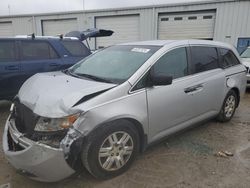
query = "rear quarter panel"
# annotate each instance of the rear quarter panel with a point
(236, 78)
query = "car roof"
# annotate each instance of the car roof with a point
(179, 42)
(150, 42)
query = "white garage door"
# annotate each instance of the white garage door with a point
(126, 29)
(6, 29)
(184, 26)
(59, 26)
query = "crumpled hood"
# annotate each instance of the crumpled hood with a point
(53, 94)
(246, 61)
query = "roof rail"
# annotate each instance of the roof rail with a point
(32, 36)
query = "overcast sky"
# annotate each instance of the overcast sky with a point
(12, 7)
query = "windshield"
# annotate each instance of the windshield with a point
(114, 64)
(246, 53)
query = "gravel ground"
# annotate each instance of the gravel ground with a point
(184, 160)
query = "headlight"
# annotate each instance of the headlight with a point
(55, 124)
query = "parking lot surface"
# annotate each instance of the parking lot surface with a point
(188, 159)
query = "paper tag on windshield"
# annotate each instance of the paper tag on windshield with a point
(141, 50)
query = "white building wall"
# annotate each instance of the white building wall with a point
(232, 19)
(20, 25)
(39, 20)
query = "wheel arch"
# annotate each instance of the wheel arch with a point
(137, 125)
(143, 137)
(237, 91)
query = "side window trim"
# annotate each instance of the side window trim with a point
(221, 57)
(186, 46)
(189, 59)
(192, 72)
(18, 49)
(54, 49)
(16, 53)
(132, 90)
(70, 53)
(218, 56)
(182, 46)
(36, 41)
(237, 59)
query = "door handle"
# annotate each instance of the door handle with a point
(12, 67)
(53, 64)
(193, 88)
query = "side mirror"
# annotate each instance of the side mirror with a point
(159, 79)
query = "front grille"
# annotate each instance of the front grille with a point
(12, 145)
(25, 119)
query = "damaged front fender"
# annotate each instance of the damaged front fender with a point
(72, 146)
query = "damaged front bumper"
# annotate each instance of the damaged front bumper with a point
(36, 160)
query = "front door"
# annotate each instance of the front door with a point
(169, 105)
(195, 94)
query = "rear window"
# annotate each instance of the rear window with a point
(7, 51)
(76, 48)
(204, 58)
(37, 50)
(228, 58)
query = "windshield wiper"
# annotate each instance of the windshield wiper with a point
(68, 72)
(96, 78)
(79, 75)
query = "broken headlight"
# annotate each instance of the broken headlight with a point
(55, 124)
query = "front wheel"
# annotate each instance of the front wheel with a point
(229, 107)
(111, 150)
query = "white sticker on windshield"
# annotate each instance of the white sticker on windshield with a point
(142, 50)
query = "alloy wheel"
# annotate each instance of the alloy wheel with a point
(229, 106)
(115, 151)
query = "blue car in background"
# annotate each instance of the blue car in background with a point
(21, 57)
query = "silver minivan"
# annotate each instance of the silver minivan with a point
(100, 113)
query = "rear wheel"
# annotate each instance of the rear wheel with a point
(229, 107)
(111, 149)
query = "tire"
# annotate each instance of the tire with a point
(228, 108)
(104, 156)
